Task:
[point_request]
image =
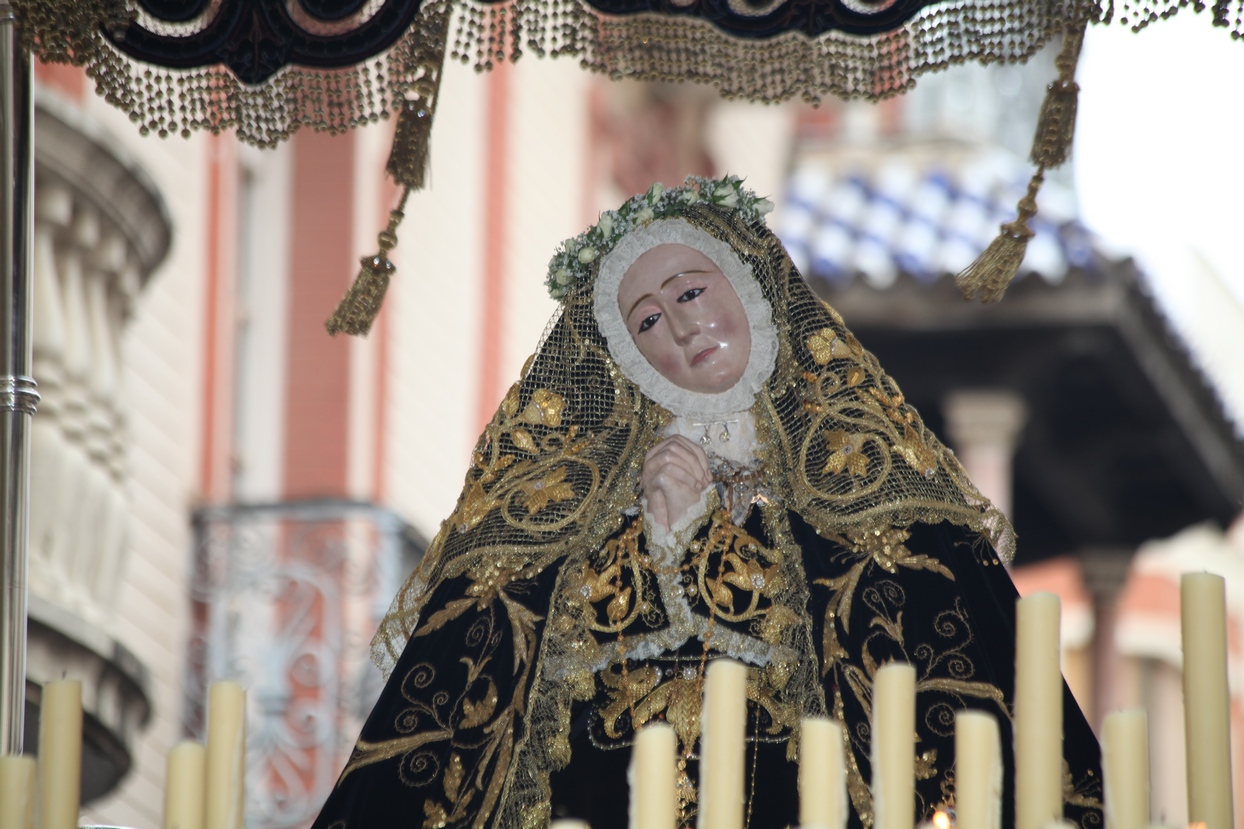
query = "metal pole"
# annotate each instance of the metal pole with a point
(18, 397)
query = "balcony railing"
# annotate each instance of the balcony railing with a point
(286, 598)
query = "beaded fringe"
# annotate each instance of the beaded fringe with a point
(407, 165)
(989, 276)
(652, 47)
(655, 47)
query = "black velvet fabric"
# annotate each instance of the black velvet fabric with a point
(758, 20)
(427, 757)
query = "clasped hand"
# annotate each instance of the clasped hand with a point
(675, 473)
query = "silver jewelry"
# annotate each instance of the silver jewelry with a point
(707, 437)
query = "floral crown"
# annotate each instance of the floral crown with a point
(571, 265)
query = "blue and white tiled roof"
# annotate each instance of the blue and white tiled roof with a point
(896, 216)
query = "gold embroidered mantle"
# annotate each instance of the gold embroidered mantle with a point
(498, 607)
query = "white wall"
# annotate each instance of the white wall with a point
(163, 375)
(435, 298)
(432, 312)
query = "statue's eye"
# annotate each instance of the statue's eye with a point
(690, 294)
(648, 322)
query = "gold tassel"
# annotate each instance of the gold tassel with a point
(412, 138)
(408, 159)
(1057, 124)
(994, 269)
(407, 165)
(358, 309)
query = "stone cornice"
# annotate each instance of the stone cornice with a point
(71, 147)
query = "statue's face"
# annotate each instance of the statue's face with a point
(686, 319)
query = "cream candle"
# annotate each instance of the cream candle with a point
(822, 775)
(17, 793)
(60, 754)
(226, 756)
(723, 737)
(978, 771)
(1038, 713)
(1203, 615)
(654, 801)
(894, 746)
(184, 786)
(1125, 765)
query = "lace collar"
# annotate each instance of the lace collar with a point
(635, 366)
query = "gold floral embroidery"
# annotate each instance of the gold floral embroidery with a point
(825, 345)
(477, 713)
(552, 488)
(509, 404)
(883, 547)
(677, 701)
(618, 425)
(475, 507)
(470, 718)
(523, 440)
(545, 409)
(453, 776)
(434, 815)
(846, 453)
(1086, 794)
(613, 577)
(916, 452)
(736, 561)
(748, 575)
(776, 622)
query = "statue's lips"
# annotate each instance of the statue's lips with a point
(703, 355)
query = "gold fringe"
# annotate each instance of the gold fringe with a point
(1057, 124)
(408, 160)
(358, 309)
(994, 269)
(407, 165)
(992, 272)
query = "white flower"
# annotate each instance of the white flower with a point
(689, 196)
(655, 192)
(764, 207)
(606, 224)
(562, 277)
(731, 199)
(644, 216)
(587, 255)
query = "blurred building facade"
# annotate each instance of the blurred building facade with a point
(1073, 404)
(269, 487)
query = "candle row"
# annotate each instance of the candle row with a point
(205, 786)
(978, 765)
(46, 793)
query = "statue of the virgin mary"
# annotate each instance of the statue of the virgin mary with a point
(698, 462)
